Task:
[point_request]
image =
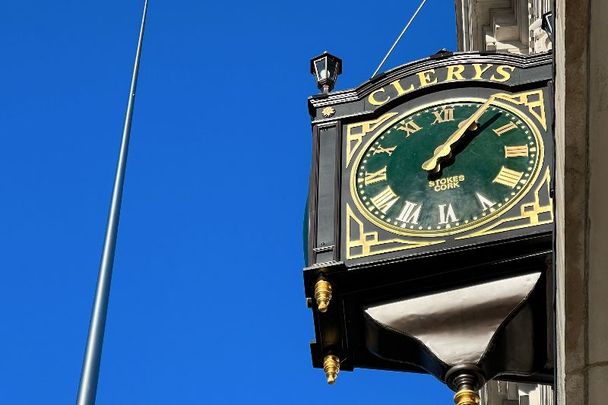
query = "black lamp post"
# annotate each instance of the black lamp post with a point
(326, 68)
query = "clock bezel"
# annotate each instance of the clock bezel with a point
(539, 164)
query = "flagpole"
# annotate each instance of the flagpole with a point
(90, 369)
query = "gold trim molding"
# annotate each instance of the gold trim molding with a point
(530, 214)
(356, 132)
(369, 243)
(535, 102)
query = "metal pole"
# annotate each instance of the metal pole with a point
(90, 369)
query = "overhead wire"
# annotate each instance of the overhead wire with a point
(399, 38)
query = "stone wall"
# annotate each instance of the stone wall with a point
(581, 129)
(505, 26)
(509, 393)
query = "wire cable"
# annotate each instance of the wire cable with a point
(398, 38)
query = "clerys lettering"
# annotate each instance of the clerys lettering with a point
(430, 77)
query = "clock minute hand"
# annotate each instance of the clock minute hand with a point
(443, 150)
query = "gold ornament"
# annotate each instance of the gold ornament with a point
(322, 294)
(466, 397)
(331, 366)
(328, 112)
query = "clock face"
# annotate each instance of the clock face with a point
(490, 167)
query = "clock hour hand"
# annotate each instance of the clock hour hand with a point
(444, 150)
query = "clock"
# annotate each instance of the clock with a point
(431, 180)
(486, 168)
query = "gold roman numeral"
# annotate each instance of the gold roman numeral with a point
(375, 177)
(447, 114)
(446, 214)
(409, 128)
(410, 213)
(516, 151)
(388, 151)
(508, 177)
(385, 200)
(505, 128)
(484, 201)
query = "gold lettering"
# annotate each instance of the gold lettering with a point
(455, 73)
(505, 128)
(503, 70)
(388, 151)
(425, 78)
(409, 127)
(446, 215)
(485, 202)
(375, 177)
(448, 186)
(410, 213)
(447, 114)
(400, 90)
(479, 71)
(516, 151)
(372, 97)
(448, 183)
(508, 177)
(385, 199)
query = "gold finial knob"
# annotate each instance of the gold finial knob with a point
(331, 366)
(466, 397)
(322, 294)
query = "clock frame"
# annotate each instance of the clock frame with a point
(366, 237)
(510, 163)
(369, 262)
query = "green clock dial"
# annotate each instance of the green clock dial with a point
(481, 171)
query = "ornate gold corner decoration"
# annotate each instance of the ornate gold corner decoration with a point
(537, 212)
(364, 244)
(356, 132)
(328, 112)
(535, 102)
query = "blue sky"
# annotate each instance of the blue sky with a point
(207, 302)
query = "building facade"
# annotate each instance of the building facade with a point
(511, 393)
(502, 25)
(581, 197)
(514, 26)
